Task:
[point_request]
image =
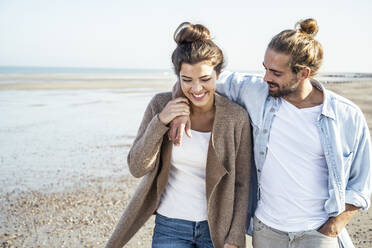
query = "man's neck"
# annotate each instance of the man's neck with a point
(306, 95)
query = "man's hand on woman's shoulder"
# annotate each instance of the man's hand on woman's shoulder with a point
(178, 126)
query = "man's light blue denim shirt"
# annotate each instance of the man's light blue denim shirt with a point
(344, 135)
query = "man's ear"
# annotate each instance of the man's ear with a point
(304, 73)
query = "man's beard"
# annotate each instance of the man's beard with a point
(282, 92)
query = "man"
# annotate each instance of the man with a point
(312, 148)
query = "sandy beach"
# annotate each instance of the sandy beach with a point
(79, 203)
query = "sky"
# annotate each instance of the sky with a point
(139, 34)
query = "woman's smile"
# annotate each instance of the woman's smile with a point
(199, 96)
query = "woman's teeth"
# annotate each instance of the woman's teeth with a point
(198, 96)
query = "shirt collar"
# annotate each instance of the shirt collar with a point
(327, 109)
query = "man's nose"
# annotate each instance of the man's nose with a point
(266, 77)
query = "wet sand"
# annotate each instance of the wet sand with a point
(85, 81)
(85, 213)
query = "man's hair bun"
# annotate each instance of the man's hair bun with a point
(308, 26)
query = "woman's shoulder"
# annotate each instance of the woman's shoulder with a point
(231, 109)
(159, 100)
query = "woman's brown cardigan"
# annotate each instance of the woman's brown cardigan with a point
(227, 172)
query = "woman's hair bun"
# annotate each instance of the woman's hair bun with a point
(308, 26)
(187, 32)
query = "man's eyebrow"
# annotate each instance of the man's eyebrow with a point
(273, 70)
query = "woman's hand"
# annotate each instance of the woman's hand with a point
(174, 108)
(229, 246)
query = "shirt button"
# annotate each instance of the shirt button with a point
(264, 131)
(262, 153)
(258, 170)
(272, 110)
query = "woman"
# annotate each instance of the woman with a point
(199, 190)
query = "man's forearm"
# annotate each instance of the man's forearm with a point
(335, 224)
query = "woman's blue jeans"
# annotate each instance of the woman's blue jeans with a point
(177, 233)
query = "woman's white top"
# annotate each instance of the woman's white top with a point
(185, 194)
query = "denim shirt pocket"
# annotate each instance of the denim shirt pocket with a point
(347, 158)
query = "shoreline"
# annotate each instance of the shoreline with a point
(125, 81)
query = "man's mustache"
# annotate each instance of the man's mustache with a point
(273, 84)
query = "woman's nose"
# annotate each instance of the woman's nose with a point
(196, 87)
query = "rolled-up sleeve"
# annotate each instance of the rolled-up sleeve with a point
(359, 186)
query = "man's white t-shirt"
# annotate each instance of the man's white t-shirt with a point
(185, 194)
(294, 180)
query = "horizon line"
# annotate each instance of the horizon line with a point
(157, 69)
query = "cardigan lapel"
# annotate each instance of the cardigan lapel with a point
(215, 169)
(163, 174)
